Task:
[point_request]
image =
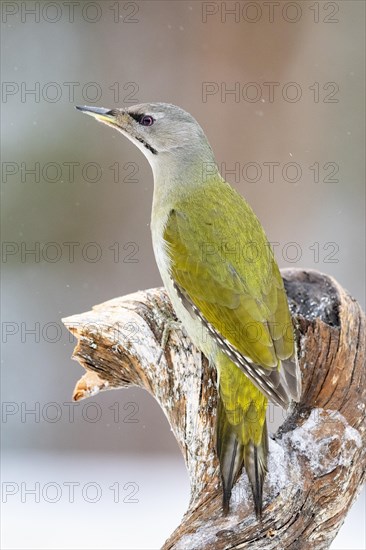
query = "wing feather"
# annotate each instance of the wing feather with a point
(236, 291)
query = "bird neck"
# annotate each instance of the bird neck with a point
(177, 177)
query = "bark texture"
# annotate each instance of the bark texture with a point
(317, 457)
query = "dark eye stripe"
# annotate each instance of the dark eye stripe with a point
(139, 117)
(136, 116)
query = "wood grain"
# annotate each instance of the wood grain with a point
(317, 457)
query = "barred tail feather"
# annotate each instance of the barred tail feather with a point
(290, 371)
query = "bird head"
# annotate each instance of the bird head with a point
(160, 130)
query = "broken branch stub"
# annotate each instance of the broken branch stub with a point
(317, 457)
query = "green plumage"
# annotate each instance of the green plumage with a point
(229, 272)
(221, 276)
(222, 263)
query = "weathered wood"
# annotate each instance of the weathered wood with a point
(317, 457)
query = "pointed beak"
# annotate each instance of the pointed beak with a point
(120, 120)
(101, 114)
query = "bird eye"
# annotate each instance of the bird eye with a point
(147, 120)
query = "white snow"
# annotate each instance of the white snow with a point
(305, 440)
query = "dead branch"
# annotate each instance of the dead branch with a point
(317, 458)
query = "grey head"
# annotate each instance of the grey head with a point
(165, 133)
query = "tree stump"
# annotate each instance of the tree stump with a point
(317, 457)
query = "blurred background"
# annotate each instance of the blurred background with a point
(279, 89)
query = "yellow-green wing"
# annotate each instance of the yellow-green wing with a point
(221, 263)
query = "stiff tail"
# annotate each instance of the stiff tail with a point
(255, 462)
(232, 454)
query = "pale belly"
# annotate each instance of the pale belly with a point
(192, 324)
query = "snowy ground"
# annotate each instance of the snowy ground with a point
(84, 501)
